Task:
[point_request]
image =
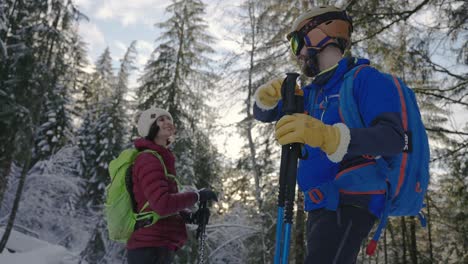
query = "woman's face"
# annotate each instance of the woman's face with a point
(166, 127)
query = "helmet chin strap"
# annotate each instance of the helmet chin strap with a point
(311, 69)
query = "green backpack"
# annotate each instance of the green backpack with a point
(120, 215)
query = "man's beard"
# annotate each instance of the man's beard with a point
(309, 66)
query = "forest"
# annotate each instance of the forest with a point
(61, 123)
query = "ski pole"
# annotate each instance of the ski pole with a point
(292, 103)
(201, 231)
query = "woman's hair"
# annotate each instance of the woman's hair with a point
(153, 132)
(154, 129)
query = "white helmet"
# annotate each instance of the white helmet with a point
(148, 117)
(319, 27)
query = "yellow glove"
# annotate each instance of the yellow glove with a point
(301, 128)
(268, 95)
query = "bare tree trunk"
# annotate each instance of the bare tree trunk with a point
(429, 230)
(403, 238)
(385, 247)
(257, 187)
(413, 246)
(5, 168)
(249, 120)
(14, 210)
(394, 246)
(363, 252)
(300, 228)
(7, 159)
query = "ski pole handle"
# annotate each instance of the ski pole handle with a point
(289, 94)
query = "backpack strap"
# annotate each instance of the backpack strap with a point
(129, 186)
(144, 219)
(311, 100)
(168, 175)
(351, 117)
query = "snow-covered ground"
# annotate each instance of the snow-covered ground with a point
(24, 249)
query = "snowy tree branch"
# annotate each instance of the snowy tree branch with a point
(404, 15)
(444, 97)
(442, 130)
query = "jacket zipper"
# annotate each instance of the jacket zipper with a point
(315, 101)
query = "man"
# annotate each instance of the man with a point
(319, 39)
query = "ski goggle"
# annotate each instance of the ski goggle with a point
(296, 42)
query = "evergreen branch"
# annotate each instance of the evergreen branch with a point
(442, 130)
(461, 84)
(443, 97)
(232, 225)
(401, 16)
(229, 241)
(440, 212)
(439, 68)
(451, 152)
(456, 26)
(349, 5)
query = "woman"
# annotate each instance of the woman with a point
(157, 243)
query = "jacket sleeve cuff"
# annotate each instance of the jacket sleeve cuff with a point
(345, 138)
(259, 103)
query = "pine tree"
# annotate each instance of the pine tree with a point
(97, 133)
(64, 59)
(31, 74)
(102, 137)
(122, 109)
(18, 83)
(3, 30)
(104, 75)
(263, 28)
(176, 78)
(50, 192)
(156, 77)
(95, 250)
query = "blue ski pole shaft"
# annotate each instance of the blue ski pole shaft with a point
(288, 169)
(290, 195)
(281, 199)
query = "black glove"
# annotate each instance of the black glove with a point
(207, 195)
(201, 216)
(187, 216)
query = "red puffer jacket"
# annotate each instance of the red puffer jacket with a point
(150, 184)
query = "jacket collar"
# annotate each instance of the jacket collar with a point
(142, 144)
(330, 78)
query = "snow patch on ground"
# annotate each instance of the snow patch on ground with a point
(24, 249)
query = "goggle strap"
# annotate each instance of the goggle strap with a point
(307, 40)
(323, 41)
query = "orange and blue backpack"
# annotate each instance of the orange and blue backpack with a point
(403, 177)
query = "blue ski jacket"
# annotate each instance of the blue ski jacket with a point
(379, 105)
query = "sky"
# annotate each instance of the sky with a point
(116, 23)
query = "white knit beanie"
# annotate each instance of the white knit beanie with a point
(148, 117)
